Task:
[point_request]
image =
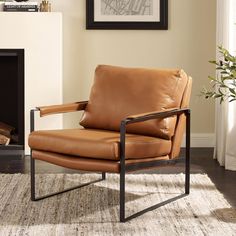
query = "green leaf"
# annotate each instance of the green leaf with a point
(217, 96)
(221, 100)
(212, 78)
(234, 74)
(224, 73)
(214, 62)
(232, 91)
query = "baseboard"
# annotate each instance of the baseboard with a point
(201, 140)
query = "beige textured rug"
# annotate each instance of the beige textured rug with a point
(93, 210)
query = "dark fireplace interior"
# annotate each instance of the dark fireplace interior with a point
(11, 99)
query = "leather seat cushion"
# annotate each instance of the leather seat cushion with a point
(98, 144)
(89, 164)
(119, 92)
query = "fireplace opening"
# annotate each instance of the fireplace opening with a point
(11, 99)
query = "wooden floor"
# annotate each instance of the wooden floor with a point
(201, 162)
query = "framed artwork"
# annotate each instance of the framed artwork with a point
(127, 14)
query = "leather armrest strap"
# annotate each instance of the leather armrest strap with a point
(63, 108)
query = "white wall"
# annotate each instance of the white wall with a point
(189, 44)
(40, 35)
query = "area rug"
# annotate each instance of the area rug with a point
(94, 210)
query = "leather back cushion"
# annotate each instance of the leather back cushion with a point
(118, 92)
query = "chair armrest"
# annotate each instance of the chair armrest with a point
(150, 116)
(63, 108)
(155, 115)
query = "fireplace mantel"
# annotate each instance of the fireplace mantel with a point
(40, 35)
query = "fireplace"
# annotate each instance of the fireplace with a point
(12, 99)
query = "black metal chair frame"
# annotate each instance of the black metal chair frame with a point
(127, 168)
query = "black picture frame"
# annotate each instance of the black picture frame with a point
(127, 25)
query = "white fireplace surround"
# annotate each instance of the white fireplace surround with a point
(40, 35)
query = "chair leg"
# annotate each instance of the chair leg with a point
(32, 176)
(33, 195)
(151, 208)
(103, 175)
(187, 174)
(122, 196)
(187, 155)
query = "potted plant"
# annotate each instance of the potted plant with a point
(223, 86)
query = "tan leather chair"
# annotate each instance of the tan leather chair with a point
(135, 119)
